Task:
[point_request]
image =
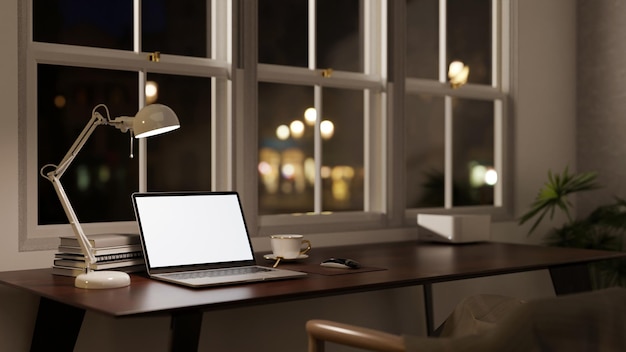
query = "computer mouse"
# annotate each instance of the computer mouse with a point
(341, 263)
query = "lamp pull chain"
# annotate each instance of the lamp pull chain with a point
(132, 143)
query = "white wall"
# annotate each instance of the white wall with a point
(602, 99)
(544, 103)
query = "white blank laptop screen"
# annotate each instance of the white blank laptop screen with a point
(193, 229)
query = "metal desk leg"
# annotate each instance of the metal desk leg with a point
(57, 326)
(570, 279)
(185, 328)
(428, 308)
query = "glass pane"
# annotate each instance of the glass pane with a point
(181, 159)
(473, 150)
(95, 23)
(176, 27)
(422, 39)
(339, 40)
(285, 149)
(425, 151)
(469, 37)
(283, 32)
(102, 176)
(342, 150)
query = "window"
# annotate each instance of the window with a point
(321, 89)
(80, 54)
(287, 170)
(454, 135)
(327, 116)
(65, 98)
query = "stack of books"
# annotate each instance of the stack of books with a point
(114, 251)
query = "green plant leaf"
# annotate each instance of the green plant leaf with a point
(553, 195)
(604, 228)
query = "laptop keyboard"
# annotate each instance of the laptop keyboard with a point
(217, 272)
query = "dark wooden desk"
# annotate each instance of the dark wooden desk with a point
(396, 265)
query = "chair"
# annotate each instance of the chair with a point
(591, 321)
(320, 331)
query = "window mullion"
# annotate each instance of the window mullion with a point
(498, 158)
(137, 45)
(495, 44)
(70, 55)
(311, 35)
(375, 124)
(222, 124)
(448, 157)
(317, 102)
(442, 42)
(317, 150)
(448, 180)
(141, 78)
(469, 91)
(142, 143)
(300, 75)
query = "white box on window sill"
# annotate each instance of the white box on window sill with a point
(462, 228)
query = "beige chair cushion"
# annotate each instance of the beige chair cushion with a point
(477, 314)
(593, 321)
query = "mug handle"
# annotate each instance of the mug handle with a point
(308, 247)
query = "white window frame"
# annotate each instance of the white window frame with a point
(33, 236)
(235, 74)
(373, 82)
(498, 92)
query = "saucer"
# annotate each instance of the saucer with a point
(273, 257)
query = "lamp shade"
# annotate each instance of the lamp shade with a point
(154, 119)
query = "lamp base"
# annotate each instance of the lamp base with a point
(102, 280)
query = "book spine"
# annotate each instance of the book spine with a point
(104, 250)
(103, 240)
(99, 265)
(99, 258)
(118, 256)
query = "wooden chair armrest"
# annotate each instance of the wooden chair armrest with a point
(320, 331)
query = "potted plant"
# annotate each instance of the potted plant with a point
(604, 228)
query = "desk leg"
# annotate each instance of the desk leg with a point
(570, 279)
(57, 326)
(185, 328)
(428, 308)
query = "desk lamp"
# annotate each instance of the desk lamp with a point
(151, 120)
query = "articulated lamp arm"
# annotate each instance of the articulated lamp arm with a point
(151, 120)
(55, 174)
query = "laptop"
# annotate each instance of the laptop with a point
(199, 239)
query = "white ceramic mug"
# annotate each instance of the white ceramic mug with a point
(289, 246)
